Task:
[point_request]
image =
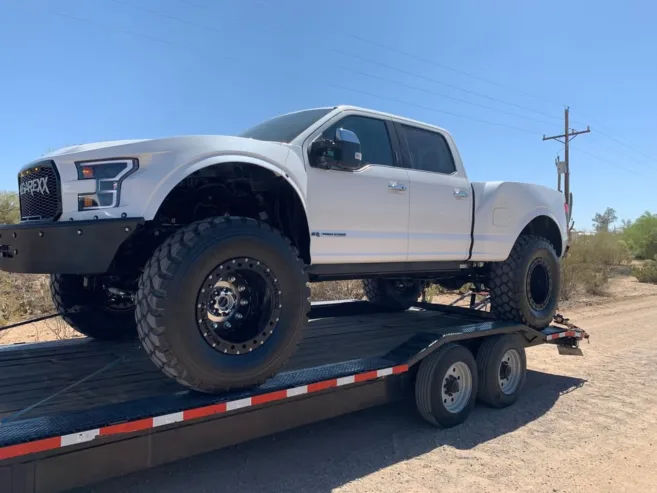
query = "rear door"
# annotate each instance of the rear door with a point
(440, 218)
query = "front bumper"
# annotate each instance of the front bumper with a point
(72, 247)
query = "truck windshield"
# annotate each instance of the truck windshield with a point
(285, 128)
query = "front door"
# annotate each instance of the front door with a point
(360, 216)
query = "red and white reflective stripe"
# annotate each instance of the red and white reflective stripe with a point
(190, 414)
(559, 335)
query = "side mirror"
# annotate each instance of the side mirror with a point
(341, 153)
(349, 155)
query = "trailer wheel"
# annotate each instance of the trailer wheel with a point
(222, 304)
(525, 287)
(392, 294)
(446, 386)
(100, 316)
(502, 367)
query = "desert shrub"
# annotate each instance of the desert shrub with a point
(590, 263)
(641, 235)
(23, 296)
(647, 272)
(336, 290)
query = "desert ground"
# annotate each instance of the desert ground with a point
(583, 424)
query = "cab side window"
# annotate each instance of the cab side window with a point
(429, 151)
(373, 136)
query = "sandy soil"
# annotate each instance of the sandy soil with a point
(583, 424)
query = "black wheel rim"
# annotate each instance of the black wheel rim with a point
(539, 284)
(238, 306)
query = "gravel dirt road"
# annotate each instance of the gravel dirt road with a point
(583, 424)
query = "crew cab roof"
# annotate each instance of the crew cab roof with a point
(392, 116)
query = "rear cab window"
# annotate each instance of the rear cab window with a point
(427, 150)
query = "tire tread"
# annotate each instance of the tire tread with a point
(504, 291)
(153, 296)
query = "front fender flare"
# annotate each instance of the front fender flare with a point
(181, 172)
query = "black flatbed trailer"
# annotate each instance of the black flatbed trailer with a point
(80, 411)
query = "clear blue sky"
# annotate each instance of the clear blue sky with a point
(77, 71)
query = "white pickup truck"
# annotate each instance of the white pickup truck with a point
(203, 246)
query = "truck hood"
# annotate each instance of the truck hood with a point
(189, 145)
(90, 147)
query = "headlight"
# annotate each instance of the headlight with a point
(109, 174)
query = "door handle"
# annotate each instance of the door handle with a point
(396, 187)
(460, 194)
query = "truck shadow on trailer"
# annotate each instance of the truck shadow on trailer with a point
(324, 456)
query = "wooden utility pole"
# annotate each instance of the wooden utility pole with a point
(564, 167)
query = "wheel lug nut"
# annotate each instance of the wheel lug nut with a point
(231, 279)
(244, 302)
(228, 325)
(239, 316)
(214, 325)
(241, 289)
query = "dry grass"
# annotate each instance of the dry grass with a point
(336, 290)
(23, 296)
(591, 262)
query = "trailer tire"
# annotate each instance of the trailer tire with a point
(88, 311)
(392, 294)
(502, 368)
(525, 287)
(222, 304)
(446, 386)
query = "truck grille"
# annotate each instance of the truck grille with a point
(39, 194)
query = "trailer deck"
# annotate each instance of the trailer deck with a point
(103, 409)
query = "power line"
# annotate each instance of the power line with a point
(436, 81)
(628, 156)
(403, 84)
(198, 6)
(433, 62)
(624, 145)
(603, 160)
(428, 108)
(634, 147)
(167, 16)
(193, 24)
(121, 30)
(160, 40)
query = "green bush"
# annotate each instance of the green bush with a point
(641, 235)
(590, 261)
(646, 272)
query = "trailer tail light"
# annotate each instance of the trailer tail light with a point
(566, 208)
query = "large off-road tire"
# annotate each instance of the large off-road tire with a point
(525, 287)
(96, 315)
(222, 304)
(392, 294)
